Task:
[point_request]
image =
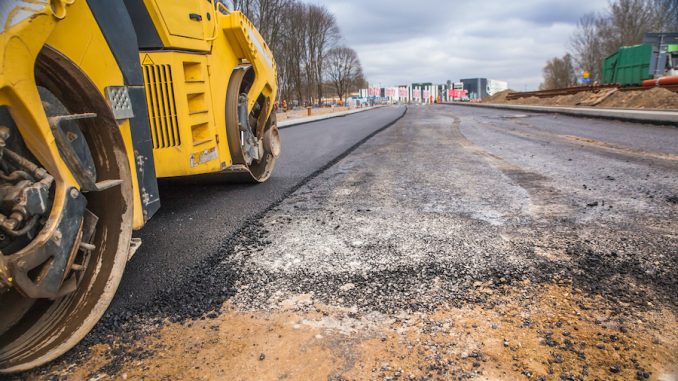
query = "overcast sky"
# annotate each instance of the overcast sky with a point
(402, 42)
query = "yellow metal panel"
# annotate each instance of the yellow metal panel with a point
(176, 14)
(18, 90)
(22, 42)
(232, 46)
(90, 51)
(171, 19)
(247, 43)
(185, 136)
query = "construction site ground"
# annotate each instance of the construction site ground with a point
(459, 243)
(302, 112)
(655, 98)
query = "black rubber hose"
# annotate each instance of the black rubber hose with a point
(18, 233)
(16, 175)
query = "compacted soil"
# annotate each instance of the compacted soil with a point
(656, 98)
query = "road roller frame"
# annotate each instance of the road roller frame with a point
(189, 85)
(27, 27)
(189, 52)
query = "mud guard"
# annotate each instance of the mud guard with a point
(116, 26)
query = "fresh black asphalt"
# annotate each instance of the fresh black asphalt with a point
(199, 214)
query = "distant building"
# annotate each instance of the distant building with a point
(481, 88)
(428, 92)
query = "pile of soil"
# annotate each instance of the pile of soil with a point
(656, 98)
(499, 97)
(303, 112)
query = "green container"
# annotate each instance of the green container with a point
(630, 65)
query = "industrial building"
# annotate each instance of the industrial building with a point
(472, 89)
(481, 88)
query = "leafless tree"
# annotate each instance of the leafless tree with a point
(627, 23)
(300, 36)
(559, 73)
(292, 51)
(245, 6)
(666, 16)
(586, 46)
(323, 33)
(623, 23)
(343, 69)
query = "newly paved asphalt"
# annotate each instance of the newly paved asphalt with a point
(198, 215)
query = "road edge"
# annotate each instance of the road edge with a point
(311, 119)
(656, 117)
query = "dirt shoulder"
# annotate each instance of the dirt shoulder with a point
(519, 332)
(656, 98)
(302, 112)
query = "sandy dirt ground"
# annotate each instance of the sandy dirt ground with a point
(457, 244)
(302, 112)
(656, 98)
(522, 332)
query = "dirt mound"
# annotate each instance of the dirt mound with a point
(526, 101)
(567, 100)
(499, 97)
(656, 98)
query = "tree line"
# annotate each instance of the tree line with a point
(313, 60)
(599, 34)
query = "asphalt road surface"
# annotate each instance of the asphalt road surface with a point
(198, 214)
(459, 243)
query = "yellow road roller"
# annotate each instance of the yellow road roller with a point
(99, 99)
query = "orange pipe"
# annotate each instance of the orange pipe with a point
(672, 80)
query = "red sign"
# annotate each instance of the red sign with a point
(403, 92)
(457, 93)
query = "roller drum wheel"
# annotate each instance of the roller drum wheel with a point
(256, 171)
(36, 331)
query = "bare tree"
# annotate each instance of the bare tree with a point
(323, 33)
(666, 15)
(245, 6)
(294, 49)
(559, 73)
(300, 36)
(586, 46)
(628, 21)
(624, 23)
(360, 81)
(343, 69)
(269, 19)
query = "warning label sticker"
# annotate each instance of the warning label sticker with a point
(147, 60)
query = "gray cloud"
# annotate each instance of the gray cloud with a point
(434, 40)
